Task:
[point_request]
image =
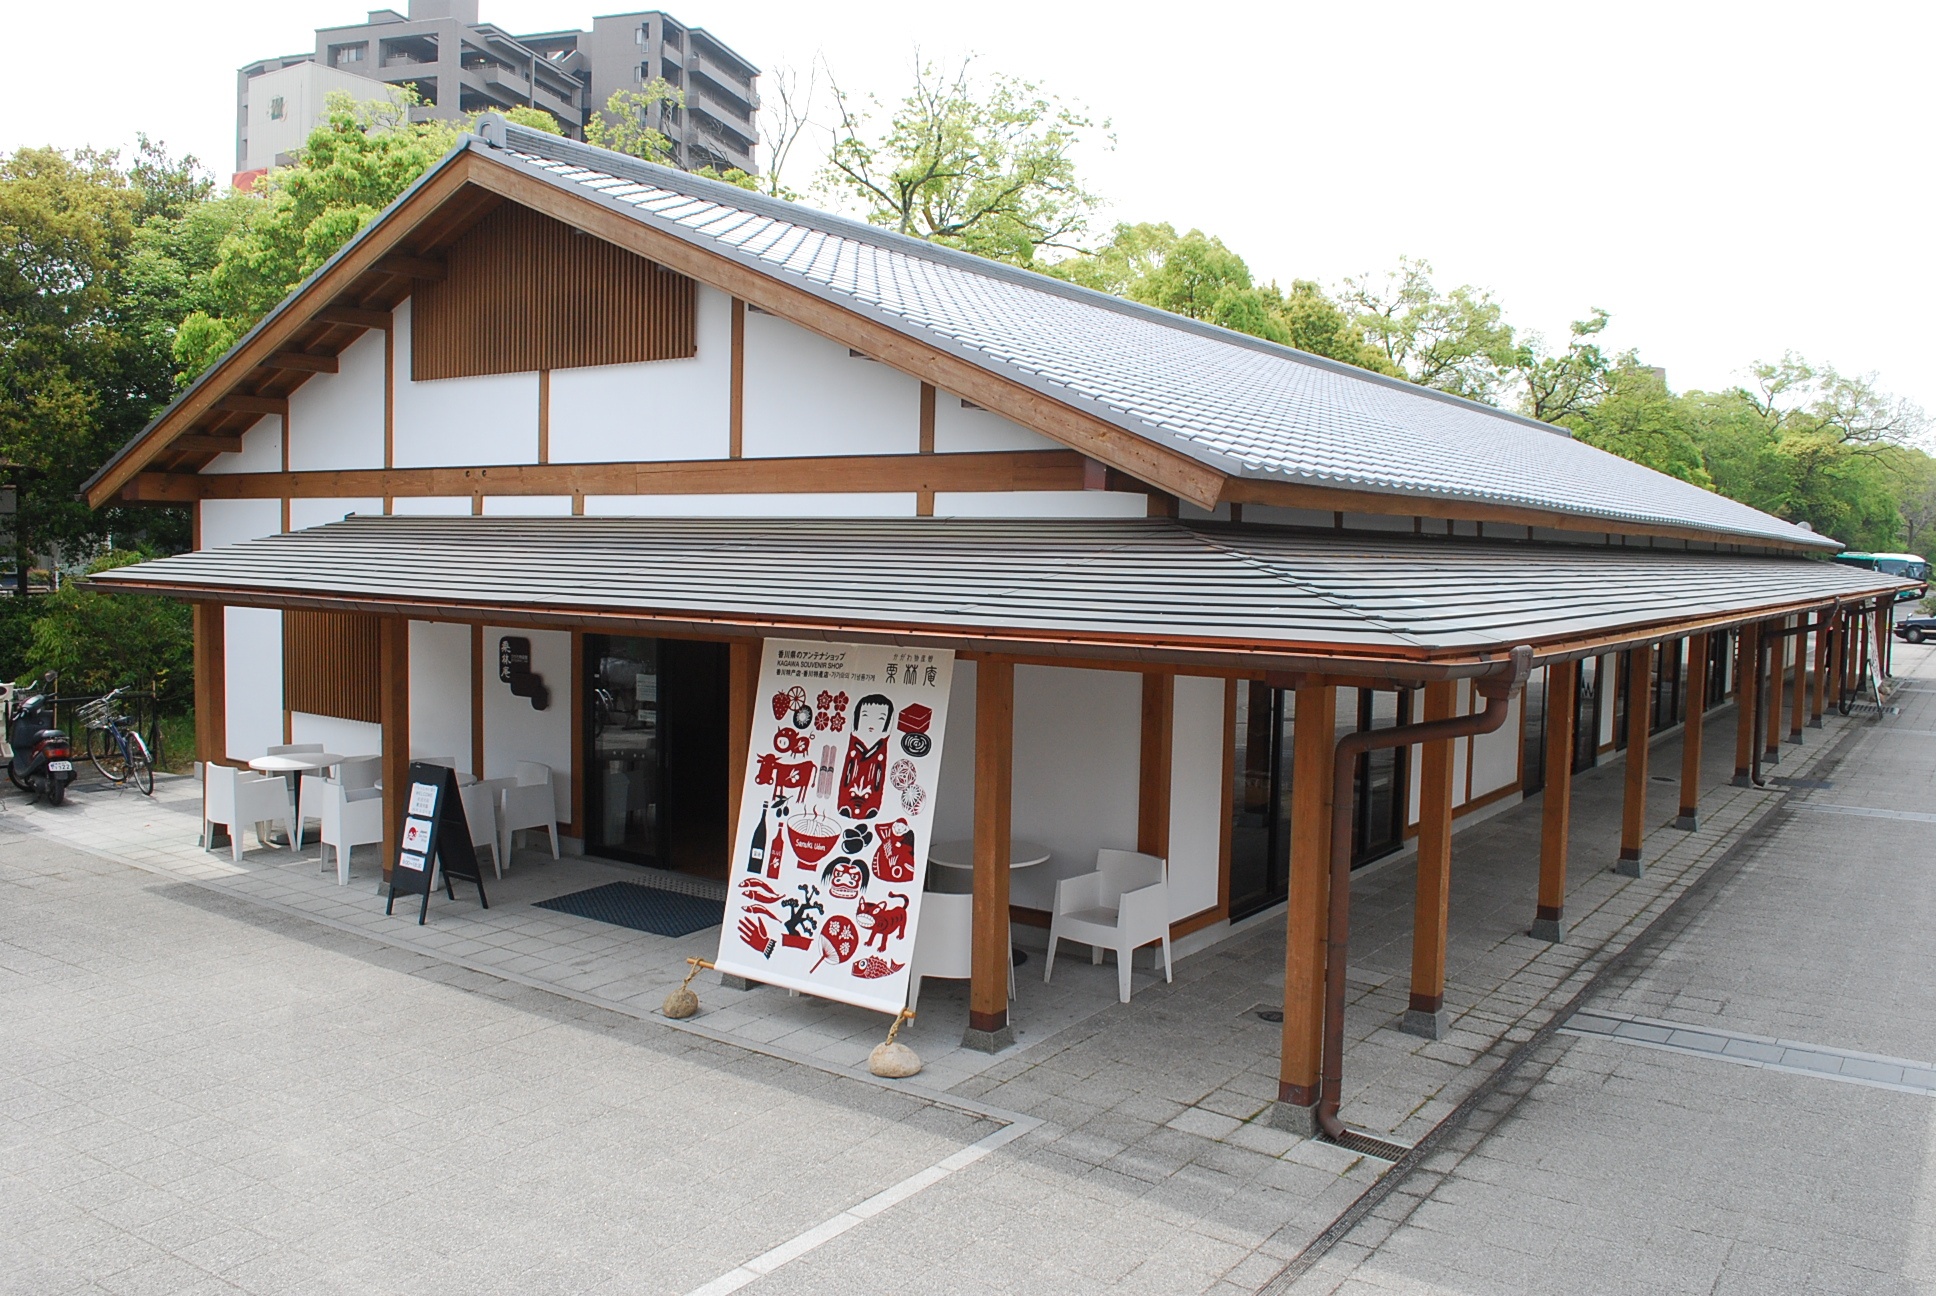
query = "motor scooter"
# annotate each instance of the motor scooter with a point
(41, 759)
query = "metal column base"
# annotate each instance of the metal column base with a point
(984, 1041)
(1425, 1025)
(1301, 1121)
(1633, 868)
(1688, 822)
(1548, 929)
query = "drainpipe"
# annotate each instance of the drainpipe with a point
(1498, 689)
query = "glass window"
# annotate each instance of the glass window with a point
(1260, 799)
(1532, 760)
(275, 108)
(1586, 716)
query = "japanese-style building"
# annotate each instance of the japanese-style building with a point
(644, 420)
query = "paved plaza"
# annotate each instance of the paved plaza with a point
(244, 1078)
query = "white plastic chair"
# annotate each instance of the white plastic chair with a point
(356, 772)
(528, 803)
(944, 944)
(480, 801)
(351, 817)
(1123, 905)
(237, 797)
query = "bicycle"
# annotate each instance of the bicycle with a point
(116, 749)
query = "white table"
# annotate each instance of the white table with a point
(292, 766)
(960, 855)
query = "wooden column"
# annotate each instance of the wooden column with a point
(1824, 651)
(1697, 668)
(1556, 805)
(393, 679)
(988, 1028)
(742, 679)
(1312, 754)
(211, 696)
(1777, 657)
(1426, 1016)
(1640, 715)
(1885, 616)
(1153, 769)
(1747, 675)
(1798, 696)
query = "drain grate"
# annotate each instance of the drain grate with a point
(1817, 784)
(1270, 1015)
(1366, 1145)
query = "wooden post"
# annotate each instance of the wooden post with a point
(211, 698)
(1153, 769)
(1885, 639)
(1747, 676)
(1312, 753)
(1556, 808)
(1838, 681)
(742, 679)
(1633, 814)
(1426, 1014)
(1824, 650)
(393, 708)
(990, 964)
(1798, 700)
(1697, 668)
(1777, 661)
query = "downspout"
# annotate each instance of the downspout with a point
(1498, 689)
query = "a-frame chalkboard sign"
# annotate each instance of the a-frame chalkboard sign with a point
(434, 835)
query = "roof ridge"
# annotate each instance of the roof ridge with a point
(1315, 591)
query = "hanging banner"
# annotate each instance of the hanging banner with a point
(835, 815)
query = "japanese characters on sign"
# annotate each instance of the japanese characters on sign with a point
(835, 818)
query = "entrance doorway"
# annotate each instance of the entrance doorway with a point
(656, 741)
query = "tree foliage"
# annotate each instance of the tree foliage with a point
(102, 641)
(1455, 341)
(626, 124)
(983, 164)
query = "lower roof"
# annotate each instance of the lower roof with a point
(1137, 589)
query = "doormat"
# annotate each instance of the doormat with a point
(642, 908)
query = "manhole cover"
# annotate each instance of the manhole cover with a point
(1271, 1015)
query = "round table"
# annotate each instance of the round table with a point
(961, 855)
(292, 766)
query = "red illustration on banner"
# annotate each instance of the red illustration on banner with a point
(874, 967)
(787, 776)
(759, 892)
(838, 940)
(894, 857)
(814, 835)
(866, 770)
(884, 919)
(800, 921)
(846, 878)
(753, 932)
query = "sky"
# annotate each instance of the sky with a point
(1729, 181)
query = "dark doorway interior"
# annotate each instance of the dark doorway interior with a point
(655, 734)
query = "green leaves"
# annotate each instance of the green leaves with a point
(624, 126)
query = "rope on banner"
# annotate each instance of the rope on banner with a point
(683, 1003)
(895, 1061)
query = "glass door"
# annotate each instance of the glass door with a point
(1586, 716)
(655, 735)
(1260, 800)
(1381, 801)
(1532, 759)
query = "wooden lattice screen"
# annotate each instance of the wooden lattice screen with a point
(330, 664)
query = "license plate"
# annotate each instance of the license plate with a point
(60, 767)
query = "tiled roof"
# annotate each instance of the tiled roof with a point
(1118, 584)
(1244, 406)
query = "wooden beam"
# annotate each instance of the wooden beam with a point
(1640, 715)
(243, 404)
(393, 658)
(354, 317)
(1426, 1015)
(995, 470)
(301, 361)
(208, 443)
(991, 966)
(742, 683)
(1146, 459)
(1302, 1053)
(1747, 696)
(1697, 668)
(1777, 662)
(736, 386)
(1154, 764)
(410, 267)
(1556, 800)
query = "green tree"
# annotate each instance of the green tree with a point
(102, 641)
(986, 165)
(625, 126)
(1637, 418)
(1555, 387)
(1456, 341)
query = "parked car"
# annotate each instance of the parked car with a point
(1915, 629)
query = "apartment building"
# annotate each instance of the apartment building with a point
(459, 65)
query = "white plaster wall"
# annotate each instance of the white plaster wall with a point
(856, 505)
(1608, 686)
(305, 513)
(663, 409)
(1077, 750)
(1196, 795)
(440, 691)
(430, 505)
(513, 731)
(252, 659)
(1462, 749)
(954, 793)
(461, 422)
(261, 449)
(1414, 786)
(336, 420)
(227, 522)
(1495, 756)
(527, 506)
(343, 737)
(958, 430)
(807, 396)
(1040, 504)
